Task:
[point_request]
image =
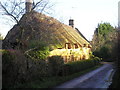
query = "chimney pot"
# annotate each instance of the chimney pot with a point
(28, 5)
(71, 23)
(31, 1)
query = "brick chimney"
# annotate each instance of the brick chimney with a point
(71, 23)
(28, 5)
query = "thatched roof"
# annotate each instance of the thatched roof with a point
(35, 26)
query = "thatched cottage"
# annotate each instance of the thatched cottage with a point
(64, 40)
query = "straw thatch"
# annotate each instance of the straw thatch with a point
(35, 26)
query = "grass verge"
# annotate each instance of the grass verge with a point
(115, 80)
(54, 81)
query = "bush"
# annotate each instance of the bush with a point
(17, 69)
(82, 65)
(39, 50)
(65, 70)
(39, 54)
(97, 60)
(13, 68)
(37, 70)
(55, 63)
(7, 68)
(102, 53)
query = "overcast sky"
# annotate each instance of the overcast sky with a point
(86, 14)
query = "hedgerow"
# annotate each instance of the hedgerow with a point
(77, 66)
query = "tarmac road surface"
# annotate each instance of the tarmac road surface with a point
(99, 78)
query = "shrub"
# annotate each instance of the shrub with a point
(13, 68)
(39, 54)
(65, 70)
(7, 68)
(104, 53)
(97, 60)
(38, 50)
(82, 65)
(17, 69)
(37, 70)
(55, 63)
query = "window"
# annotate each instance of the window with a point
(75, 46)
(84, 45)
(67, 46)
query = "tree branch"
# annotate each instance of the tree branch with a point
(35, 5)
(44, 7)
(7, 13)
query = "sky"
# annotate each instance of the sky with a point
(86, 14)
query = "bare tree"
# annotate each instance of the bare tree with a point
(16, 8)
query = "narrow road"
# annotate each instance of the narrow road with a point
(99, 78)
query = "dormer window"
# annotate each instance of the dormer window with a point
(89, 46)
(75, 46)
(84, 45)
(67, 46)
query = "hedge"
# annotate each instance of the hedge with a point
(74, 67)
